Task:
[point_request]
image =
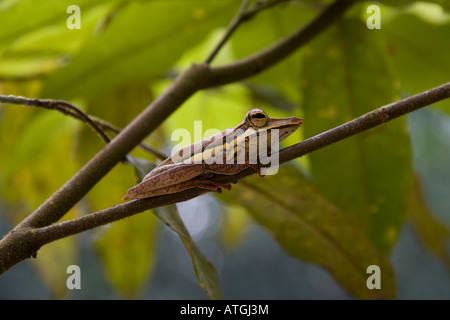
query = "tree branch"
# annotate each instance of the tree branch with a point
(198, 76)
(237, 20)
(24, 243)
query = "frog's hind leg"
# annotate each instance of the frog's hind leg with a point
(207, 185)
(167, 179)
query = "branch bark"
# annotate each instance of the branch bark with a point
(23, 243)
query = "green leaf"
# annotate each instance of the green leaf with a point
(234, 226)
(267, 94)
(347, 73)
(444, 4)
(38, 138)
(141, 166)
(312, 229)
(128, 252)
(36, 146)
(34, 35)
(25, 17)
(434, 234)
(204, 270)
(122, 105)
(141, 43)
(419, 50)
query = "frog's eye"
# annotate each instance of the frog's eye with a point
(257, 118)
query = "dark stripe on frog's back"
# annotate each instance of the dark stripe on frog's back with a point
(247, 147)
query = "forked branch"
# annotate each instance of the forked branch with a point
(27, 237)
(37, 237)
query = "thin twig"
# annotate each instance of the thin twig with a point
(97, 124)
(58, 105)
(244, 14)
(230, 29)
(261, 6)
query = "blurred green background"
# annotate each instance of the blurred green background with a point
(307, 233)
